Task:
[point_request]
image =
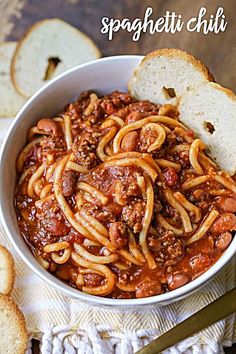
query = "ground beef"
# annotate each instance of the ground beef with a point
(133, 214)
(122, 97)
(170, 176)
(168, 249)
(115, 102)
(128, 190)
(51, 219)
(118, 234)
(144, 107)
(75, 109)
(84, 148)
(183, 158)
(147, 137)
(53, 145)
(104, 214)
(172, 214)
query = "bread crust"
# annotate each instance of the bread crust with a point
(178, 53)
(16, 316)
(24, 38)
(231, 94)
(9, 93)
(6, 255)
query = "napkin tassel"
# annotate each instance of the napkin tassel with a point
(102, 339)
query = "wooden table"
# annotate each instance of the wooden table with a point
(218, 52)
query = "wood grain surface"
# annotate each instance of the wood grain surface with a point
(218, 52)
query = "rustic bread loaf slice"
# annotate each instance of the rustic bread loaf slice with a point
(7, 271)
(210, 110)
(49, 48)
(10, 100)
(166, 74)
(13, 332)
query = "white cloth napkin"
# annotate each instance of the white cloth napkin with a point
(68, 326)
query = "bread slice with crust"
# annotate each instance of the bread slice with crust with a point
(7, 271)
(210, 110)
(10, 100)
(49, 48)
(13, 332)
(166, 74)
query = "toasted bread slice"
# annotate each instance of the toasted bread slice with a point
(210, 110)
(10, 100)
(13, 332)
(7, 271)
(166, 74)
(49, 48)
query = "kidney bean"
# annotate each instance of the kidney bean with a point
(148, 288)
(223, 240)
(227, 204)
(31, 156)
(118, 234)
(200, 262)
(68, 183)
(133, 117)
(177, 280)
(199, 194)
(170, 176)
(92, 279)
(49, 126)
(226, 222)
(129, 141)
(56, 225)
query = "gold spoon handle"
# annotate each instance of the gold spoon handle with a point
(215, 311)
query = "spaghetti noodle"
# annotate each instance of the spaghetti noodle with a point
(115, 219)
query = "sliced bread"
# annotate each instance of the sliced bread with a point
(210, 110)
(7, 271)
(166, 74)
(13, 332)
(49, 48)
(10, 100)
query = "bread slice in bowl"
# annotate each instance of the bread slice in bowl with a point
(210, 110)
(166, 74)
(49, 48)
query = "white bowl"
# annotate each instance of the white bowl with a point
(103, 75)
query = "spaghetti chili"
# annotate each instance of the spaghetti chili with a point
(116, 198)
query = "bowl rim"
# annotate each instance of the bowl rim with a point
(66, 289)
